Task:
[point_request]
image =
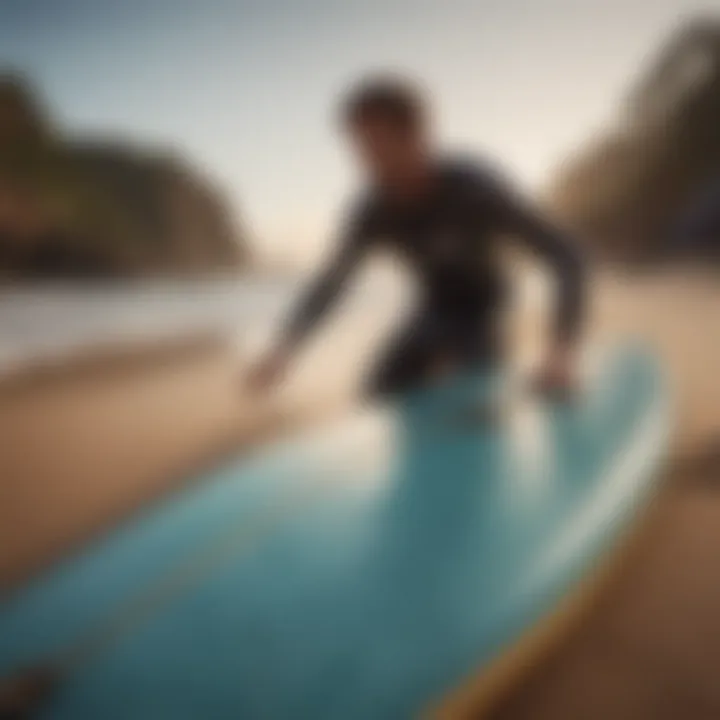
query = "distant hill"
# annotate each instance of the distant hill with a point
(102, 208)
(627, 191)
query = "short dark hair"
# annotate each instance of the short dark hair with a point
(387, 97)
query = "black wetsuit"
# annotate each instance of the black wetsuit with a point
(449, 239)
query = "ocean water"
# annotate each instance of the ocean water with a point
(53, 323)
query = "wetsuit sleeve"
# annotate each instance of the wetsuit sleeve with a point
(324, 290)
(556, 249)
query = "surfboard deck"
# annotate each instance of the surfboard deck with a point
(369, 571)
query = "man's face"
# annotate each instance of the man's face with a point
(390, 153)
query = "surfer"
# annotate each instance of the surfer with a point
(446, 219)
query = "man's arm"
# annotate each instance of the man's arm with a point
(514, 215)
(558, 252)
(314, 304)
(565, 261)
(323, 291)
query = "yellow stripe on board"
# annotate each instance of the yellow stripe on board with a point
(481, 692)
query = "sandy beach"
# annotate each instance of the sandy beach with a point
(88, 443)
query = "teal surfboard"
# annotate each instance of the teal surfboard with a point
(367, 571)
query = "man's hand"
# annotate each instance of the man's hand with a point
(557, 376)
(268, 372)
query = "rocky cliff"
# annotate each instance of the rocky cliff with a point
(628, 191)
(72, 208)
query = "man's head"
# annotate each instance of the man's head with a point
(387, 120)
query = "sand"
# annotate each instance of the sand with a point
(650, 648)
(84, 445)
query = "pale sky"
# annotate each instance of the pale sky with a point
(247, 88)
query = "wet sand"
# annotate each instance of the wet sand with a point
(84, 446)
